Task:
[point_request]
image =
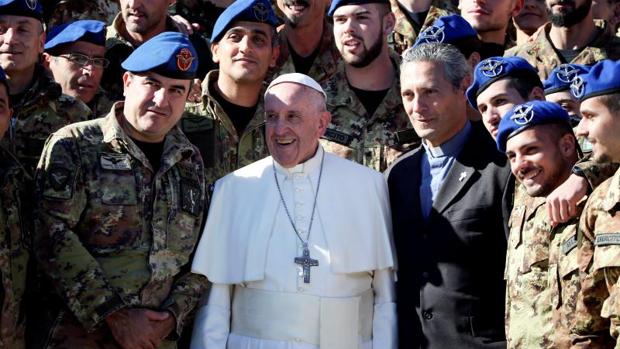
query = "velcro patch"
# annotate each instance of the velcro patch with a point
(196, 124)
(338, 137)
(115, 162)
(606, 239)
(191, 198)
(569, 244)
(59, 183)
(406, 136)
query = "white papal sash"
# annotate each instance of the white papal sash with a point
(328, 322)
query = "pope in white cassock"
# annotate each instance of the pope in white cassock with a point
(298, 245)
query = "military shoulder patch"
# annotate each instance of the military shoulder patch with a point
(191, 197)
(606, 239)
(569, 244)
(59, 183)
(196, 124)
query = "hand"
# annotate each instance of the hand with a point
(139, 328)
(562, 202)
(195, 94)
(183, 25)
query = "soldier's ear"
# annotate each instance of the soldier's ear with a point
(214, 50)
(46, 60)
(389, 22)
(473, 60)
(537, 94)
(518, 6)
(568, 145)
(127, 78)
(41, 43)
(275, 53)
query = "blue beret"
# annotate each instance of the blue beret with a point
(526, 115)
(447, 29)
(495, 68)
(602, 79)
(170, 54)
(85, 30)
(562, 76)
(244, 10)
(337, 3)
(26, 8)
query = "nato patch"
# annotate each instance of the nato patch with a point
(606, 239)
(191, 201)
(569, 244)
(407, 136)
(337, 137)
(115, 162)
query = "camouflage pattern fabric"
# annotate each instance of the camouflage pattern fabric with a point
(373, 140)
(406, 31)
(597, 315)
(110, 233)
(14, 251)
(541, 275)
(541, 54)
(42, 110)
(596, 172)
(101, 104)
(223, 149)
(71, 10)
(325, 63)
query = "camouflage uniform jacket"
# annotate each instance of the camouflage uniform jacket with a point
(43, 109)
(541, 54)
(371, 140)
(14, 252)
(223, 149)
(406, 32)
(542, 276)
(110, 233)
(324, 65)
(101, 104)
(598, 314)
(71, 10)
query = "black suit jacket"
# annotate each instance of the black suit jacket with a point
(450, 288)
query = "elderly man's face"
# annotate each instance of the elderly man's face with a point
(601, 127)
(143, 16)
(153, 105)
(76, 80)
(540, 159)
(5, 110)
(436, 109)
(21, 41)
(295, 120)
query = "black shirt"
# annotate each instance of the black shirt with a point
(370, 99)
(303, 64)
(152, 151)
(239, 115)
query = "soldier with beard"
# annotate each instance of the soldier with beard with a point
(572, 36)
(306, 41)
(369, 124)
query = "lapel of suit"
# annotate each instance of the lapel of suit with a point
(459, 176)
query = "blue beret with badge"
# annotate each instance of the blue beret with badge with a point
(495, 68)
(562, 76)
(446, 29)
(244, 10)
(170, 54)
(84, 30)
(26, 8)
(526, 115)
(602, 79)
(337, 3)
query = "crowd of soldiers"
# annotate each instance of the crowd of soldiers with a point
(102, 203)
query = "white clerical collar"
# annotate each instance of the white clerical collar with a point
(310, 166)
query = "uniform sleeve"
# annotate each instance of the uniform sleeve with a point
(607, 261)
(595, 172)
(590, 329)
(61, 198)
(212, 324)
(384, 326)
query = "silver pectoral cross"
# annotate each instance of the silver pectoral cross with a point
(306, 262)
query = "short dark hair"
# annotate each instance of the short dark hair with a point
(611, 101)
(523, 84)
